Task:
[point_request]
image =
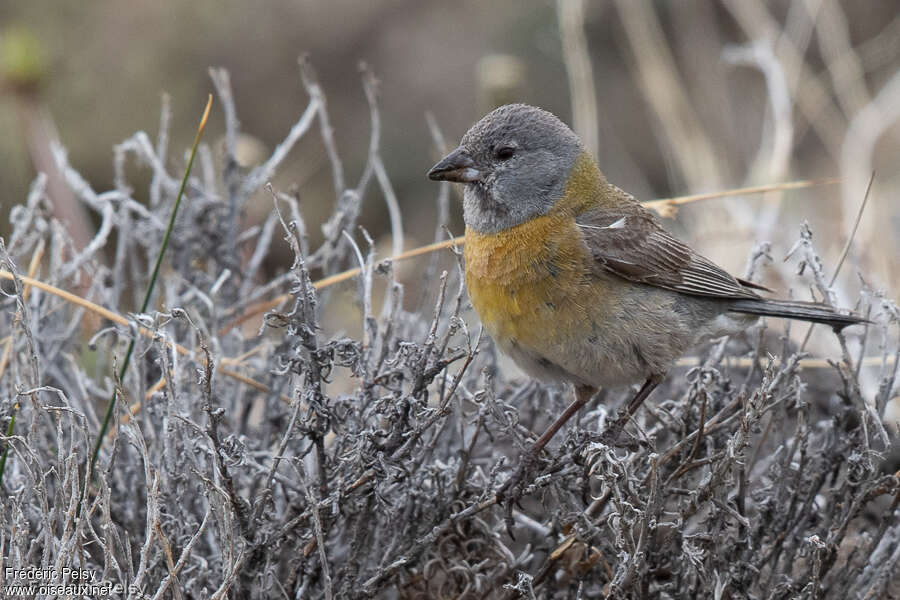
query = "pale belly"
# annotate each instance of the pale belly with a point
(592, 336)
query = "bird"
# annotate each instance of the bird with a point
(573, 278)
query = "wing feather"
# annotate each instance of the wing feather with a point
(630, 243)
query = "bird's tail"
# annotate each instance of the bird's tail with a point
(804, 311)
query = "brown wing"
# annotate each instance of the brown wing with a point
(630, 243)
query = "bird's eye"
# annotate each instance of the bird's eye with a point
(505, 152)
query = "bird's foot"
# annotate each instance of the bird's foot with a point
(514, 487)
(615, 436)
(614, 429)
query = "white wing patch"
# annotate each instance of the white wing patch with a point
(620, 224)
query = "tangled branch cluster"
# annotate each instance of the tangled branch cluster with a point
(244, 474)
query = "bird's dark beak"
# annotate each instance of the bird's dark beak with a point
(457, 166)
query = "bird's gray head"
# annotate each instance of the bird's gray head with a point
(515, 163)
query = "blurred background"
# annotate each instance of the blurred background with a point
(673, 97)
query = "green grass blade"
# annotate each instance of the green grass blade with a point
(149, 293)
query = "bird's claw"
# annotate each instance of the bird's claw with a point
(514, 486)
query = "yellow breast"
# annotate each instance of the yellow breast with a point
(526, 282)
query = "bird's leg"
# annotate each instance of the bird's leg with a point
(583, 393)
(615, 428)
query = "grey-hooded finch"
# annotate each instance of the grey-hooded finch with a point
(572, 277)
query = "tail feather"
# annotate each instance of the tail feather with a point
(804, 311)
